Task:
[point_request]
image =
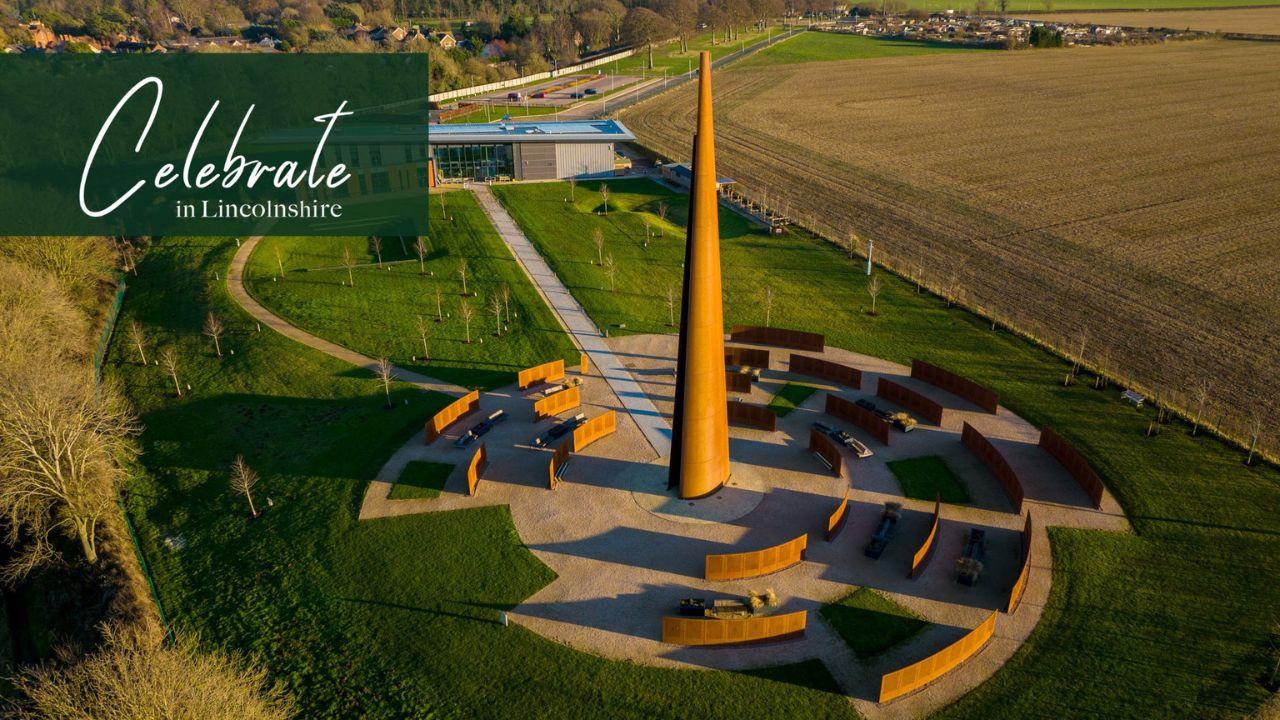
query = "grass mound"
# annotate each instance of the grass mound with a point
(871, 623)
(927, 477)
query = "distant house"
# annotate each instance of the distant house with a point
(132, 46)
(41, 36)
(446, 40)
(388, 34)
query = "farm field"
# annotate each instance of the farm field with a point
(1171, 621)
(389, 618)
(1107, 191)
(825, 47)
(379, 316)
(1265, 20)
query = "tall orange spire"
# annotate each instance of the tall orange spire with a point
(700, 431)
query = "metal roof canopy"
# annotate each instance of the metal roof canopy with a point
(591, 131)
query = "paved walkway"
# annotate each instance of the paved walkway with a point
(239, 293)
(575, 320)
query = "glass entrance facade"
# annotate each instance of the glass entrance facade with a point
(474, 162)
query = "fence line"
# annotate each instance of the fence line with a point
(526, 79)
(99, 361)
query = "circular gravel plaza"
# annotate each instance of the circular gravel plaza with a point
(626, 550)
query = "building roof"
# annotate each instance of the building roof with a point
(685, 173)
(523, 132)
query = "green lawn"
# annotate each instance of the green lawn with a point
(928, 477)
(823, 46)
(378, 317)
(668, 57)
(495, 113)
(790, 397)
(420, 480)
(393, 618)
(871, 623)
(1170, 622)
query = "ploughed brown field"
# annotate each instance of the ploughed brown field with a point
(1132, 191)
(1262, 21)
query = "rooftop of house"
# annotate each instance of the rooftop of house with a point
(543, 131)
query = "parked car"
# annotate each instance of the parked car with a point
(538, 95)
(843, 438)
(480, 428)
(884, 531)
(514, 96)
(591, 91)
(969, 566)
(576, 96)
(560, 430)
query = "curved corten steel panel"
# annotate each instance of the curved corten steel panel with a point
(559, 459)
(752, 416)
(910, 399)
(781, 337)
(746, 357)
(913, 677)
(836, 520)
(921, 558)
(479, 461)
(737, 382)
(825, 447)
(1075, 464)
(700, 426)
(451, 413)
(736, 566)
(979, 445)
(594, 429)
(695, 631)
(557, 403)
(1020, 585)
(957, 385)
(826, 370)
(838, 407)
(546, 372)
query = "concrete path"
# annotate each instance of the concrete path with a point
(575, 320)
(239, 293)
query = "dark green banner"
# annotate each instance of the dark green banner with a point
(213, 144)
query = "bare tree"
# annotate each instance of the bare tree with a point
(611, 271)
(423, 332)
(138, 339)
(604, 197)
(439, 306)
(597, 239)
(444, 213)
(349, 263)
(662, 215)
(671, 305)
(1257, 421)
(573, 189)
(1203, 391)
(376, 242)
(462, 275)
(214, 328)
(420, 247)
(136, 674)
(1084, 341)
(766, 299)
(647, 232)
(504, 293)
(467, 313)
(495, 307)
(873, 289)
(386, 374)
(851, 244)
(279, 259)
(62, 442)
(243, 479)
(169, 359)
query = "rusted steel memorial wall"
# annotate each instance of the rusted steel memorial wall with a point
(737, 382)
(836, 520)
(695, 631)
(459, 408)
(910, 399)
(1020, 585)
(754, 416)
(826, 370)
(594, 429)
(781, 337)
(736, 566)
(921, 558)
(980, 446)
(838, 407)
(747, 357)
(479, 460)
(546, 372)
(915, 676)
(824, 446)
(955, 384)
(557, 403)
(1075, 464)
(558, 460)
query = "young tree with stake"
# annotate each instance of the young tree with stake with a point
(573, 189)
(504, 292)
(462, 275)
(243, 479)
(423, 331)
(873, 289)
(495, 307)
(138, 339)
(386, 374)
(420, 247)
(611, 271)
(376, 242)
(467, 313)
(214, 329)
(604, 197)
(279, 260)
(671, 305)
(1203, 390)
(597, 239)
(169, 360)
(662, 215)
(349, 263)
(439, 306)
